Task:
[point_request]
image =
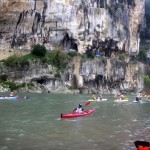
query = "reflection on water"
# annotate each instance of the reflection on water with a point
(35, 124)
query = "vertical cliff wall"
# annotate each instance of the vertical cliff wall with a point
(85, 76)
(75, 24)
(81, 25)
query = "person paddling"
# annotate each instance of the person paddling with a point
(12, 94)
(138, 97)
(99, 97)
(79, 109)
(94, 97)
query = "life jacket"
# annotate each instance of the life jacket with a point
(143, 148)
(79, 110)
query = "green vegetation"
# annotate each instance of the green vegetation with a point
(3, 78)
(58, 59)
(13, 86)
(121, 56)
(39, 50)
(90, 54)
(142, 56)
(19, 62)
(147, 81)
(73, 54)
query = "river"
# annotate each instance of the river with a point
(35, 124)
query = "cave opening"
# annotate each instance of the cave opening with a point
(39, 81)
(69, 43)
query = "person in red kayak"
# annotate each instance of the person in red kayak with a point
(79, 109)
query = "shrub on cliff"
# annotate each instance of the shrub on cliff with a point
(58, 59)
(90, 54)
(147, 81)
(73, 54)
(142, 55)
(121, 56)
(39, 50)
(15, 61)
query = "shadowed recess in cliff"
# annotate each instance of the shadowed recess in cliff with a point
(36, 21)
(106, 47)
(69, 43)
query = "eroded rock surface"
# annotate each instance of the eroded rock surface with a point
(75, 24)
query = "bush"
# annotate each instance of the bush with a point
(121, 56)
(3, 78)
(12, 85)
(90, 54)
(58, 59)
(147, 81)
(39, 50)
(16, 62)
(73, 54)
(142, 55)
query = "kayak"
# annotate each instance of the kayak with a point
(117, 100)
(140, 101)
(74, 114)
(12, 97)
(143, 148)
(142, 145)
(8, 97)
(92, 100)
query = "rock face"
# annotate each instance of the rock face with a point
(81, 25)
(75, 24)
(84, 76)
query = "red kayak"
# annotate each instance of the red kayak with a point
(74, 114)
(142, 145)
(143, 148)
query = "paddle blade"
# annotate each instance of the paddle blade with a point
(87, 103)
(141, 143)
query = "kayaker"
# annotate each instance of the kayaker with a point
(94, 97)
(99, 97)
(79, 109)
(138, 97)
(12, 94)
(120, 97)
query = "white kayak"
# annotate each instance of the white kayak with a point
(140, 101)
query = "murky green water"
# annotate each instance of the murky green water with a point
(35, 124)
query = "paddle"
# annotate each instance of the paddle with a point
(87, 103)
(142, 143)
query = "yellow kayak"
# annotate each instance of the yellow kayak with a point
(92, 100)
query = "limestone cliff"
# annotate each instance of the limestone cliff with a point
(81, 25)
(85, 76)
(75, 24)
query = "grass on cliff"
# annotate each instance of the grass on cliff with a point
(57, 58)
(147, 81)
(15, 86)
(19, 62)
(147, 84)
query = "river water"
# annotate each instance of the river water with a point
(35, 124)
